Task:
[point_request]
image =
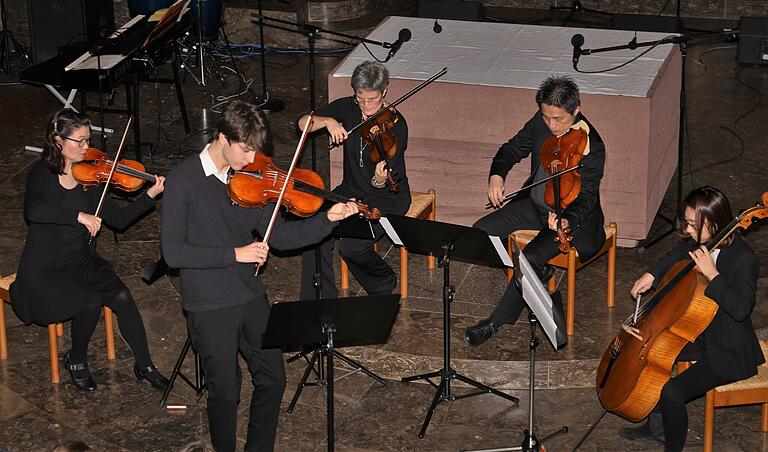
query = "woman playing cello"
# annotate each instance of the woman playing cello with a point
(728, 349)
(60, 275)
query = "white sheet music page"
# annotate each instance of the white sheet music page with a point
(126, 26)
(501, 250)
(384, 222)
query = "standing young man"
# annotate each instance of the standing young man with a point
(211, 241)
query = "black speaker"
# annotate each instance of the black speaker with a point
(638, 22)
(450, 9)
(56, 23)
(753, 41)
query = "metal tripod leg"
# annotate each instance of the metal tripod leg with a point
(198, 385)
(303, 382)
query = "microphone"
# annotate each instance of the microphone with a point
(437, 28)
(403, 36)
(577, 41)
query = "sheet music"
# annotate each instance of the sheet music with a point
(384, 222)
(537, 297)
(88, 61)
(501, 250)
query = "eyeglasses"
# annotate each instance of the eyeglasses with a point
(82, 143)
(371, 100)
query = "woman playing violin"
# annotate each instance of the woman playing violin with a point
(728, 349)
(60, 275)
(362, 179)
(559, 112)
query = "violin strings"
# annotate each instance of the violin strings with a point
(309, 188)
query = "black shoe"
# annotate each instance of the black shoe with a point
(81, 376)
(642, 432)
(152, 375)
(476, 335)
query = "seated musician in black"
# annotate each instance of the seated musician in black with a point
(61, 276)
(728, 349)
(362, 179)
(559, 111)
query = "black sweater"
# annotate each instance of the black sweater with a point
(201, 228)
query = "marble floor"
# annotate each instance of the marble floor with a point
(726, 138)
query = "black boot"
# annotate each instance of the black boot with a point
(476, 335)
(81, 376)
(652, 428)
(152, 375)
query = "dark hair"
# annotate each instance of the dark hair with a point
(712, 208)
(63, 123)
(559, 91)
(370, 75)
(71, 446)
(243, 122)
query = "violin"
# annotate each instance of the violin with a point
(560, 154)
(632, 372)
(261, 181)
(379, 134)
(95, 167)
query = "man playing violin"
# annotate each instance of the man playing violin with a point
(211, 241)
(559, 112)
(362, 179)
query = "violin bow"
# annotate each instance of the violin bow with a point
(112, 170)
(299, 147)
(529, 186)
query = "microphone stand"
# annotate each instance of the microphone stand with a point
(577, 7)
(681, 41)
(311, 32)
(268, 104)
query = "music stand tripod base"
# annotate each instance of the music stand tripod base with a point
(447, 240)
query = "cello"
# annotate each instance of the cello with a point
(632, 372)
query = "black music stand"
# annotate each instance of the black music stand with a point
(329, 324)
(541, 305)
(449, 241)
(198, 385)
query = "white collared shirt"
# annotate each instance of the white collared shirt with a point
(210, 168)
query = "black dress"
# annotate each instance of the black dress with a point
(59, 271)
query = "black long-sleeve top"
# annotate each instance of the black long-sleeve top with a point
(45, 291)
(201, 228)
(529, 140)
(358, 167)
(730, 341)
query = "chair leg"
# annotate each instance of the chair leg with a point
(764, 417)
(59, 329)
(510, 271)
(108, 332)
(709, 420)
(571, 300)
(344, 275)
(53, 351)
(612, 268)
(431, 217)
(3, 334)
(403, 272)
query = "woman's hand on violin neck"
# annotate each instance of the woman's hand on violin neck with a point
(643, 284)
(157, 188)
(496, 190)
(552, 222)
(704, 262)
(91, 222)
(340, 211)
(380, 175)
(253, 253)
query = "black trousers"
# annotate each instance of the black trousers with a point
(217, 336)
(370, 269)
(514, 216)
(677, 392)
